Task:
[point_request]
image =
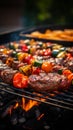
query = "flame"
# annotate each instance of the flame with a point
(10, 110)
(23, 103)
(27, 106)
(30, 103)
(16, 105)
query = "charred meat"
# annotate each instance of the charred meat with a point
(48, 82)
(7, 75)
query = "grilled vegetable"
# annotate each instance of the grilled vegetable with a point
(27, 69)
(38, 63)
(66, 72)
(61, 54)
(55, 53)
(36, 70)
(20, 80)
(47, 67)
(24, 48)
(28, 59)
(47, 52)
(44, 65)
(70, 77)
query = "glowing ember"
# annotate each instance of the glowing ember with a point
(10, 110)
(40, 116)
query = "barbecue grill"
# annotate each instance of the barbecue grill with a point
(58, 101)
(62, 99)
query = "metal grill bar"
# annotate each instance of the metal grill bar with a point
(57, 101)
(28, 97)
(44, 96)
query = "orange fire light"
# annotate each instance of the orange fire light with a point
(27, 106)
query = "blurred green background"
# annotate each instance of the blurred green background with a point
(21, 13)
(48, 12)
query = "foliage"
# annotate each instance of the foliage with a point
(48, 11)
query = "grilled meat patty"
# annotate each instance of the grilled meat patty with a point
(48, 82)
(7, 75)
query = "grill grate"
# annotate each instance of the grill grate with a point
(63, 99)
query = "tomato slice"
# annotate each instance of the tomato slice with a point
(20, 80)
